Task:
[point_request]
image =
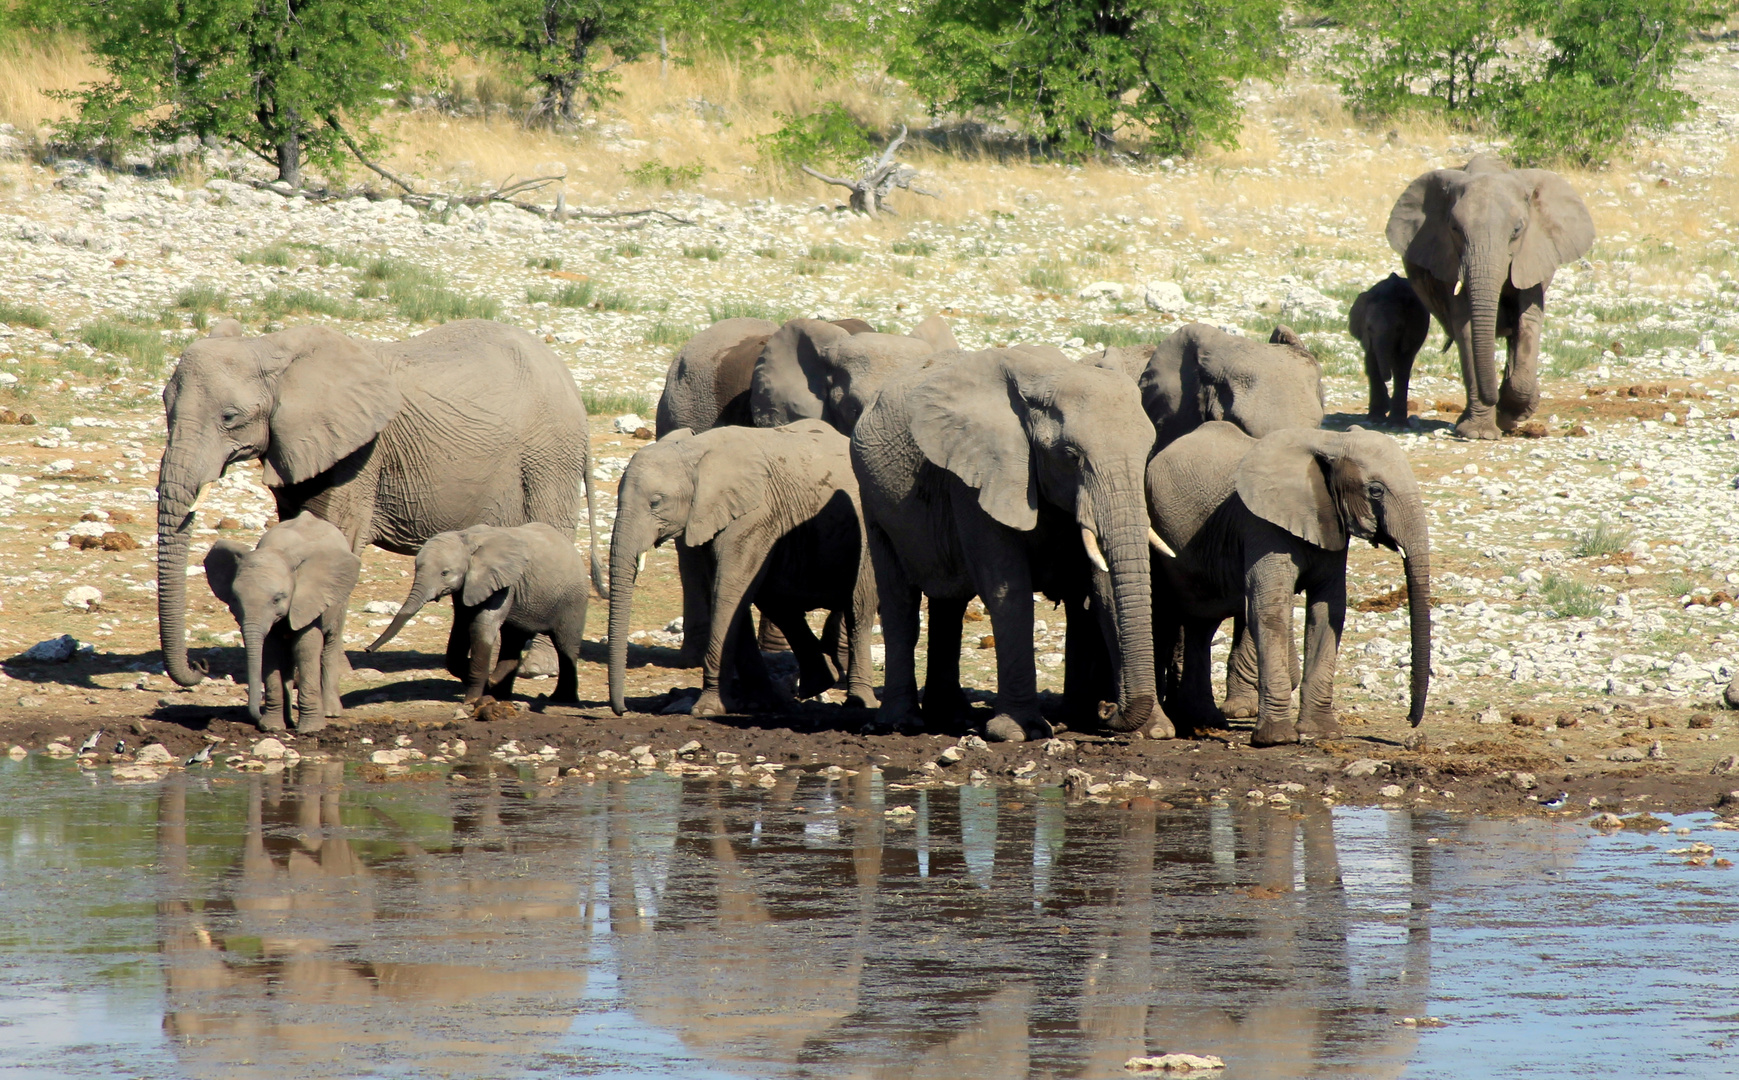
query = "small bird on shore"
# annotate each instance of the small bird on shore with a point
(120, 747)
(202, 757)
(90, 744)
(1556, 801)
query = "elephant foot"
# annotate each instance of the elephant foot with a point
(1006, 728)
(1158, 726)
(708, 704)
(864, 698)
(305, 727)
(540, 659)
(1477, 427)
(1132, 716)
(272, 723)
(898, 717)
(1323, 726)
(1278, 733)
(1237, 708)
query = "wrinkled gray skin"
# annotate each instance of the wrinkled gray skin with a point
(772, 515)
(1499, 234)
(508, 586)
(811, 370)
(989, 474)
(289, 595)
(1201, 373)
(1254, 522)
(1390, 324)
(469, 423)
(708, 385)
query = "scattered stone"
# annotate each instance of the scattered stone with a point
(1524, 780)
(1421, 1022)
(1491, 715)
(32, 701)
(973, 742)
(950, 755)
(1109, 289)
(1701, 720)
(1656, 752)
(1165, 296)
(17, 753)
(899, 811)
(83, 597)
(1391, 791)
(725, 757)
(1626, 753)
(627, 424)
(54, 651)
(689, 747)
(154, 754)
(1607, 821)
(1363, 767)
(58, 749)
(1728, 764)
(1174, 1063)
(270, 749)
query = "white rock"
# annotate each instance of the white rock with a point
(83, 597)
(1490, 716)
(155, 754)
(1302, 300)
(269, 749)
(1174, 1063)
(1363, 767)
(381, 607)
(627, 424)
(55, 650)
(1111, 289)
(1391, 791)
(1165, 296)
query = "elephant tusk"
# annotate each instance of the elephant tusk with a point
(1159, 545)
(640, 564)
(1094, 555)
(199, 497)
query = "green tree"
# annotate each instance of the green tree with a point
(1082, 74)
(1609, 76)
(1453, 46)
(291, 80)
(571, 48)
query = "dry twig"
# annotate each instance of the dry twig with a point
(870, 191)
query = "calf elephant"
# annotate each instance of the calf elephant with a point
(772, 515)
(470, 423)
(507, 585)
(289, 594)
(814, 370)
(1390, 324)
(1255, 521)
(993, 474)
(1500, 234)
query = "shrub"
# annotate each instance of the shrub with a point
(1453, 45)
(126, 339)
(709, 252)
(913, 247)
(280, 302)
(202, 297)
(271, 255)
(1601, 539)
(829, 137)
(1569, 599)
(23, 315)
(573, 294)
(1048, 275)
(720, 310)
(654, 173)
(421, 302)
(615, 402)
(834, 253)
(663, 333)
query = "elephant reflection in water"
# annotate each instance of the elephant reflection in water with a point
(262, 981)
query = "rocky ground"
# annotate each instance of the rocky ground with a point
(1585, 619)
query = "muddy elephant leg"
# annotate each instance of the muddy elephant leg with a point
(1002, 577)
(735, 580)
(1241, 700)
(276, 672)
(1270, 582)
(899, 600)
(1379, 384)
(1324, 617)
(835, 643)
(944, 702)
(331, 671)
(308, 649)
(1520, 394)
(857, 621)
(568, 639)
(485, 624)
(459, 643)
(694, 566)
(813, 673)
(1195, 696)
(508, 662)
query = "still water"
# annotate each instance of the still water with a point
(307, 924)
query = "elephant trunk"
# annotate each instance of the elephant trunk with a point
(1415, 547)
(419, 596)
(179, 482)
(1124, 528)
(1484, 283)
(254, 639)
(624, 568)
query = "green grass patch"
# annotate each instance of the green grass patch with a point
(615, 402)
(914, 247)
(906, 267)
(570, 294)
(767, 252)
(709, 252)
(430, 303)
(629, 249)
(202, 297)
(325, 256)
(622, 300)
(281, 302)
(1106, 245)
(270, 255)
(834, 253)
(1567, 598)
(720, 310)
(23, 315)
(124, 338)
(378, 274)
(1602, 538)
(655, 173)
(809, 267)
(544, 262)
(1048, 275)
(663, 333)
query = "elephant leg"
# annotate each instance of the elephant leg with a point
(836, 643)
(1520, 394)
(485, 624)
(569, 638)
(539, 658)
(331, 672)
(1195, 695)
(1324, 617)
(944, 702)
(1379, 385)
(694, 565)
(1241, 700)
(275, 660)
(508, 663)
(308, 649)
(858, 619)
(773, 638)
(1401, 364)
(899, 600)
(1088, 678)
(735, 580)
(792, 624)
(459, 642)
(1002, 577)
(1270, 582)
(1454, 311)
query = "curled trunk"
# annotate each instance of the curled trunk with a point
(407, 611)
(623, 570)
(1124, 527)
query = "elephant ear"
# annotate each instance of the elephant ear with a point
(853, 326)
(1356, 315)
(1284, 480)
(937, 332)
(967, 419)
(224, 328)
(221, 564)
(1419, 225)
(499, 559)
(324, 577)
(729, 481)
(1559, 229)
(333, 396)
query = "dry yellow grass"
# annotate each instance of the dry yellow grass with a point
(31, 67)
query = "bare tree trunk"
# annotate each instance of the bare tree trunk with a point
(663, 57)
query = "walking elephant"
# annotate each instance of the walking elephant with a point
(995, 474)
(1499, 234)
(508, 585)
(470, 423)
(772, 517)
(289, 595)
(814, 370)
(1255, 521)
(708, 382)
(1390, 324)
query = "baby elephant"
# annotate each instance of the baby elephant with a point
(508, 586)
(289, 595)
(1256, 521)
(1390, 321)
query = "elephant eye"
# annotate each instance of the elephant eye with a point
(1375, 491)
(655, 500)
(1073, 454)
(1517, 231)
(280, 598)
(231, 416)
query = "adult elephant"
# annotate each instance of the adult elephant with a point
(472, 423)
(1255, 521)
(813, 370)
(1200, 373)
(708, 382)
(993, 474)
(1499, 234)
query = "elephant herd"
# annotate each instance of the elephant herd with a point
(1151, 491)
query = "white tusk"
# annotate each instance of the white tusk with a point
(1094, 555)
(198, 498)
(640, 564)
(1158, 544)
